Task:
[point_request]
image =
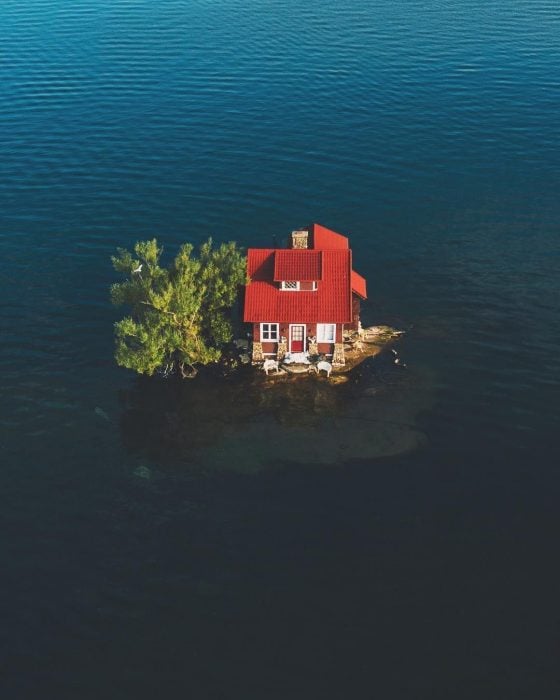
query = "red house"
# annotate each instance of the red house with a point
(301, 299)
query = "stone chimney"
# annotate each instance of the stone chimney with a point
(300, 239)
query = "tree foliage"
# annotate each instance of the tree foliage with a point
(179, 315)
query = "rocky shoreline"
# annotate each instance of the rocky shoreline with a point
(358, 346)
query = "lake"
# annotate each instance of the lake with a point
(394, 538)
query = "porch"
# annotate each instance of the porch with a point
(304, 358)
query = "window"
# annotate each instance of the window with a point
(269, 332)
(293, 286)
(290, 286)
(326, 332)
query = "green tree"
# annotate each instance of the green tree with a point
(179, 315)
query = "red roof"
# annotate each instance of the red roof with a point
(359, 285)
(302, 265)
(330, 266)
(325, 239)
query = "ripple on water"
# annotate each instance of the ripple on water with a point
(426, 133)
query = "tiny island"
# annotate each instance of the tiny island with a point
(298, 308)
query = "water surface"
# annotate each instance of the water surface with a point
(253, 565)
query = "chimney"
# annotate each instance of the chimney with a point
(299, 239)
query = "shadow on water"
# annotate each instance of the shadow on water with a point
(247, 422)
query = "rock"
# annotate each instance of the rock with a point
(143, 472)
(101, 413)
(296, 368)
(338, 378)
(380, 334)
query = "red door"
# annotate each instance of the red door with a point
(297, 334)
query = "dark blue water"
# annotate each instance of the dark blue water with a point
(396, 539)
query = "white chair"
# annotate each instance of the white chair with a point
(326, 366)
(270, 364)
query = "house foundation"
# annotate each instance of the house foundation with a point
(282, 349)
(257, 352)
(313, 348)
(338, 354)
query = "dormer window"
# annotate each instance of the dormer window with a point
(298, 269)
(293, 286)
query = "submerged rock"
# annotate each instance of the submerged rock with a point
(143, 472)
(101, 413)
(247, 423)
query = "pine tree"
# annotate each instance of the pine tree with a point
(180, 315)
